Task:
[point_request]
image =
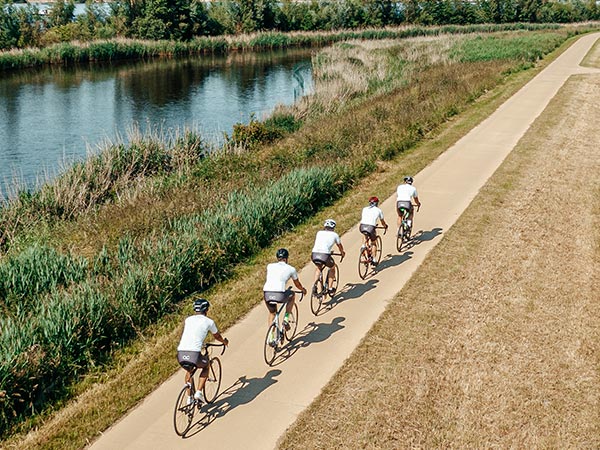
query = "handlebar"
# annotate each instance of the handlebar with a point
(382, 228)
(210, 344)
(338, 254)
(301, 294)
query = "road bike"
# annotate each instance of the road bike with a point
(405, 229)
(366, 259)
(321, 290)
(278, 332)
(187, 404)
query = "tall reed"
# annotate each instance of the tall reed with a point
(121, 48)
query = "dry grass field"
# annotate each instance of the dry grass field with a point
(495, 342)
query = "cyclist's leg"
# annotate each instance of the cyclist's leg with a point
(399, 213)
(272, 309)
(202, 378)
(290, 303)
(331, 272)
(373, 250)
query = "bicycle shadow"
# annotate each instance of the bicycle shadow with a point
(242, 392)
(310, 334)
(350, 291)
(393, 260)
(422, 236)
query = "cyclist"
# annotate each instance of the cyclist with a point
(195, 329)
(370, 215)
(274, 290)
(404, 195)
(321, 252)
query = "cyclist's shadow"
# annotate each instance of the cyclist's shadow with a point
(350, 291)
(243, 391)
(422, 236)
(312, 333)
(393, 260)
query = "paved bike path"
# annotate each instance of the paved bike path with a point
(259, 402)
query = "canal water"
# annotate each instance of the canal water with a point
(51, 117)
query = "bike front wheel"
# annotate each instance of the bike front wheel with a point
(271, 343)
(213, 382)
(377, 257)
(293, 324)
(334, 279)
(363, 262)
(184, 412)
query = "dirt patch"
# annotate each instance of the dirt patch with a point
(495, 341)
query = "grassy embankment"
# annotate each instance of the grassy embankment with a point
(121, 48)
(495, 340)
(313, 142)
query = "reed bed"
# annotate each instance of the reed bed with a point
(101, 177)
(129, 49)
(95, 304)
(68, 329)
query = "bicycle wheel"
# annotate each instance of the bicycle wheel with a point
(316, 296)
(271, 344)
(184, 412)
(400, 238)
(335, 280)
(363, 262)
(293, 323)
(379, 250)
(213, 382)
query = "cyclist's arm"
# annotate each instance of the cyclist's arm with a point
(220, 338)
(383, 223)
(417, 202)
(299, 285)
(341, 248)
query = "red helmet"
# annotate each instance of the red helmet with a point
(373, 201)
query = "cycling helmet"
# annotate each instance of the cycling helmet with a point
(408, 180)
(374, 201)
(329, 223)
(282, 253)
(201, 305)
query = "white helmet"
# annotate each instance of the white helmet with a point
(329, 223)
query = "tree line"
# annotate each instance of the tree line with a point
(181, 20)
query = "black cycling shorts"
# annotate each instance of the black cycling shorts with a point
(191, 360)
(272, 298)
(368, 230)
(322, 259)
(406, 205)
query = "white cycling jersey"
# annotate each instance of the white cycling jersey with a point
(325, 240)
(406, 192)
(278, 275)
(194, 332)
(370, 216)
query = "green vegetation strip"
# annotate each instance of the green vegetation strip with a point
(130, 289)
(121, 48)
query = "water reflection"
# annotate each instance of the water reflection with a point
(49, 117)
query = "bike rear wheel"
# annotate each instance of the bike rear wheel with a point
(293, 323)
(334, 280)
(271, 343)
(213, 382)
(377, 257)
(184, 412)
(316, 297)
(400, 238)
(363, 262)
